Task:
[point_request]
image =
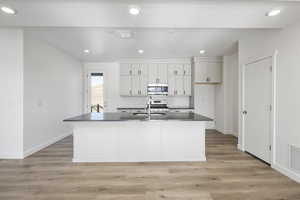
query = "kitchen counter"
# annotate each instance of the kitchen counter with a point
(142, 108)
(126, 137)
(121, 116)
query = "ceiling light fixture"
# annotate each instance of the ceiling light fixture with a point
(134, 10)
(273, 13)
(202, 51)
(86, 51)
(140, 51)
(8, 10)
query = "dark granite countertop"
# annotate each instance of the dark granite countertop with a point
(170, 108)
(120, 116)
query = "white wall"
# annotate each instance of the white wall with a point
(11, 88)
(288, 98)
(226, 97)
(52, 92)
(112, 97)
(204, 102)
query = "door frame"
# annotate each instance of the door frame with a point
(87, 88)
(273, 122)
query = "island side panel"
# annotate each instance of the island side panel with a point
(137, 141)
(183, 141)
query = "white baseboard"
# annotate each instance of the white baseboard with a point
(44, 145)
(101, 160)
(240, 147)
(289, 173)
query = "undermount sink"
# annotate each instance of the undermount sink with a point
(152, 114)
(140, 113)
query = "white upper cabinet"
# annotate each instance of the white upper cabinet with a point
(162, 73)
(125, 86)
(214, 71)
(187, 87)
(208, 70)
(144, 69)
(158, 73)
(175, 69)
(143, 85)
(139, 69)
(152, 73)
(187, 69)
(135, 77)
(176, 85)
(125, 69)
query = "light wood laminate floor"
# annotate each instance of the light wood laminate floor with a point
(227, 175)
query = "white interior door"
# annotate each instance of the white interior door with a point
(257, 108)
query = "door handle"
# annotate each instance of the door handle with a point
(245, 112)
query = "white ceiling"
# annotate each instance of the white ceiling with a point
(164, 28)
(106, 45)
(154, 13)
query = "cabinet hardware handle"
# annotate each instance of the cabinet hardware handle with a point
(130, 72)
(184, 72)
(184, 92)
(208, 79)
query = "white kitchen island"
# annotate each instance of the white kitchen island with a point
(124, 137)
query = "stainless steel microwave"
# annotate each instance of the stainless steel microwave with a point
(157, 89)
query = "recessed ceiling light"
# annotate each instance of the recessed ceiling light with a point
(86, 51)
(134, 10)
(273, 13)
(8, 10)
(202, 51)
(140, 51)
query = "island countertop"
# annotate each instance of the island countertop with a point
(121, 116)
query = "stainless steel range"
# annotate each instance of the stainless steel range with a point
(158, 96)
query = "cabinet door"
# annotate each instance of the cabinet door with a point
(125, 69)
(187, 69)
(135, 69)
(175, 69)
(162, 73)
(187, 83)
(143, 70)
(125, 86)
(152, 73)
(135, 85)
(214, 72)
(200, 72)
(143, 82)
(171, 85)
(179, 85)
